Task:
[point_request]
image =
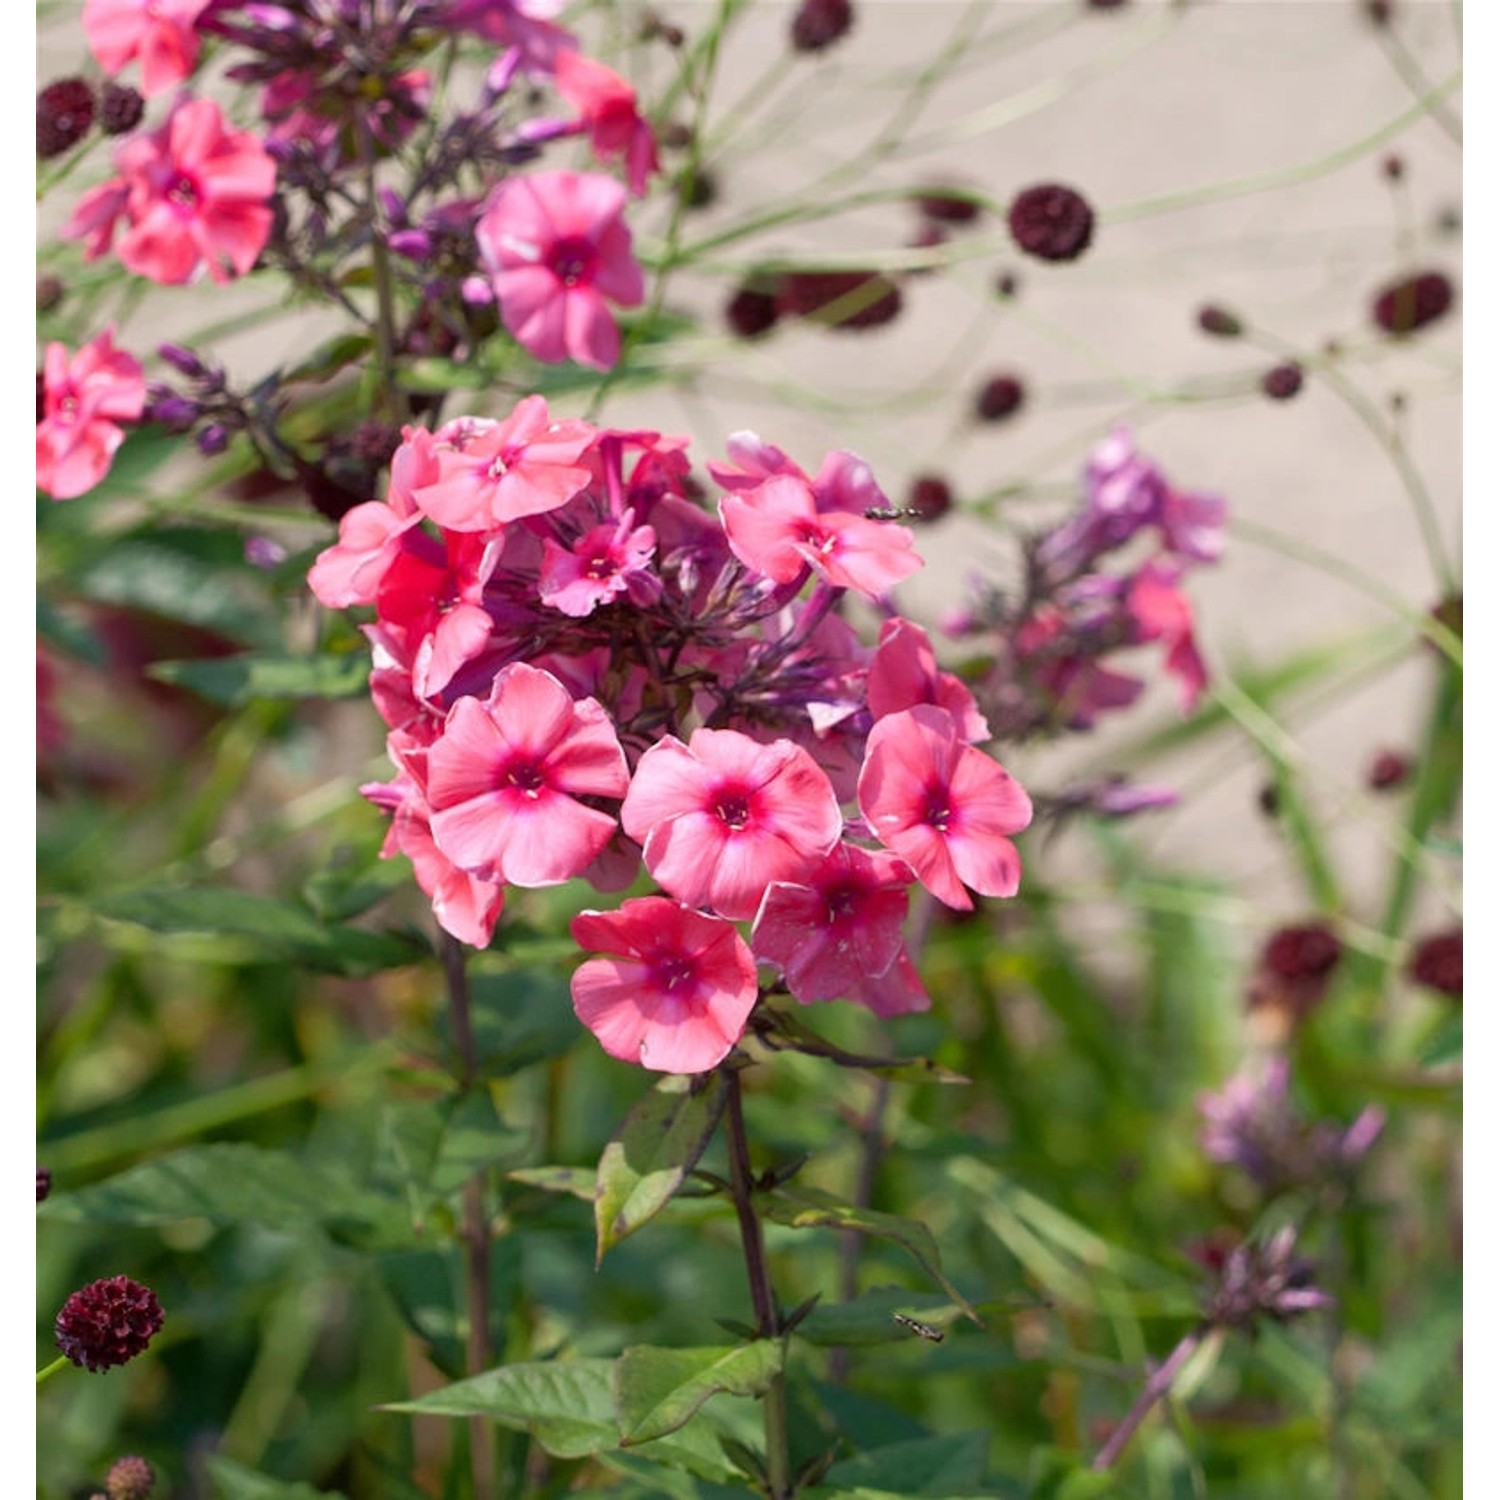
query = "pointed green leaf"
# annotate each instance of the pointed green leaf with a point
(657, 1145)
(658, 1390)
(867, 1319)
(922, 1466)
(575, 1182)
(808, 1208)
(234, 680)
(521, 1017)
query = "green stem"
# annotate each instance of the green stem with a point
(48, 1371)
(390, 399)
(762, 1298)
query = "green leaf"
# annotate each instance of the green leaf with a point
(234, 680)
(569, 1407)
(868, 1319)
(922, 1466)
(234, 1481)
(331, 356)
(575, 1182)
(270, 928)
(657, 1145)
(809, 1208)
(226, 1184)
(440, 1144)
(1446, 1044)
(658, 1390)
(521, 1017)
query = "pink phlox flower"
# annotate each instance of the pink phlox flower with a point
(838, 927)
(905, 673)
(605, 562)
(844, 482)
(946, 808)
(85, 397)
(723, 816)
(351, 570)
(506, 774)
(751, 462)
(492, 472)
(777, 530)
(610, 114)
(1161, 612)
(197, 195)
(897, 992)
(675, 988)
(556, 248)
(159, 32)
(1078, 688)
(525, 25)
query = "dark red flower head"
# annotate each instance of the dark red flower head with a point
(130, 1478)
(64, 112)
(999, 397)
(820, 23)
(1051, 222)
(1438, 963)
(947, 206)
(1306, 952)
(841, 299)
(108, 1323)
(1282, 382)
(120, 109)
(1412, 303)
(930, 497)
(1389, 769)
(1219, 322)
(751, 312)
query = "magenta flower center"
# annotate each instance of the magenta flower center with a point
(733, 808)
(527, 778)
(601, 567)
(674, 974)
(572, 260)
(810, 534)
(842, 901)
(938, 810)
(183, 193)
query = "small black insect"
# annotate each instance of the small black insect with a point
(922, 1330)
(892, 513)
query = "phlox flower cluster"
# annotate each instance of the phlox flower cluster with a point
(84, 399)
(588, 674)
(1053, 644)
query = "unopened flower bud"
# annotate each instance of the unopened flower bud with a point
(184, 361)
(1412, 303)
(130, 1478)
(1389, 769)
(1283, 381)
(930, 497)
(751, 312)
(999, 397)
(947, 206)
(1219, 322)
(1438, 963)
(64, 112)
(213, 440)
(120, 109)
(820, 23)
(1051, 222)
(108, 1323)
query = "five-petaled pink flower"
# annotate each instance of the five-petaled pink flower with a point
(905, 672)
(556, 247)
(609, 112)
(195, 193)
(504, 778)
(723, 816)
(159, 32)
(946, 808)
(777, 529)
(837, 928)
(492, 472)
(605, 562)
(675, 991)
(86, 397)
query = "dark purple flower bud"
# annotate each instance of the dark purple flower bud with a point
(64, 112)
(1007, 284)
(751, 312)
(1268, 1280)
(175, 413)
(49, 292)
(184, 361)
(1283, 381)
(1051, 222)
(1438, 963)
(1389, 769)
(412, 244)
(264, 552)
(130, 1478)
(840, 299)
(213, 440)
(1393, 167)
(108, 1323)
(930, 497)
(948, 206)
(1219, 322)
(999, 397)
(43, 1183)
(1123, 799)
(820, 23)
(1306, 952)
(1412, 303)
(120, 109)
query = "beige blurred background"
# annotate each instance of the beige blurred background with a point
(1297, 102)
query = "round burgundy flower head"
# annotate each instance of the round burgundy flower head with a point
(999, 397)
(108, 1323)
(64, 112)
(1051, 222)
(820, 23)
(1292, 978)
(1389, 769)
(751, 312)
(1219, 322)
(1412, 303)
(130, 1478)
(1438, 963)
(840, 299)
(120, 109)
(1282, 382)
(1393, 167)
(49, 292)
(1305, 952)
(43, 1183)
(1379, 11)
(947, 206)
(930, 497)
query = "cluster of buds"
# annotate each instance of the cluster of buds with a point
(1048, 646)
(584, 671)
(1265, 1280)
(1252, 1123)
